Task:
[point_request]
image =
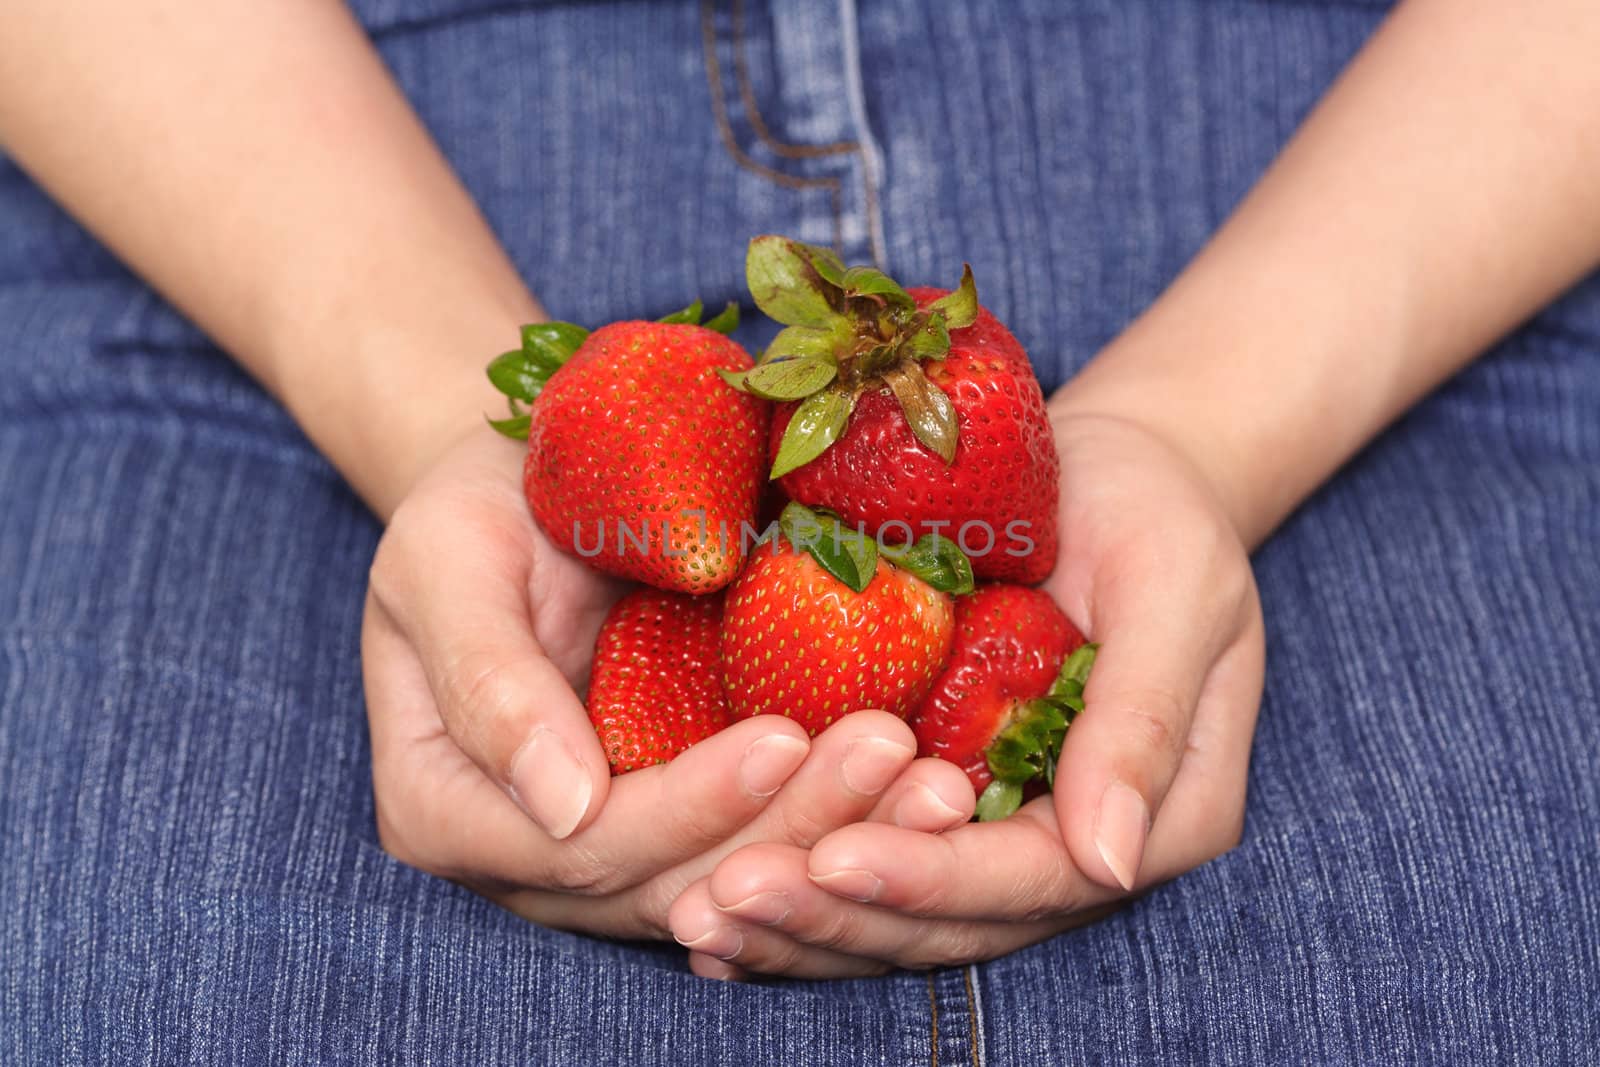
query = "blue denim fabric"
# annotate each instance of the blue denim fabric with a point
(189, 870)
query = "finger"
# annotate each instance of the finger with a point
(767, 886)
(654, 820)
(698, 925)
(1159, 636)
(715, 969)
(931, 795)
(849, 766)
(502, 701)
(852, 764)
(1017, 869)
(1203, 813)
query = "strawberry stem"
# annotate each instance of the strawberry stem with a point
(858, 331)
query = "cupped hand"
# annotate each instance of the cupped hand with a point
(1151, 781)
(477, 636)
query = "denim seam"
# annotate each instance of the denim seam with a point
(747, 97)
(867, 147)
(974, 1033)
(719, 111)
(933, 1020)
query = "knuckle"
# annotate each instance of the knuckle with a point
(650, 906)
(839, 928)
(579, 871)
(1153, 719)
(950, 945)
(1049, 888)
(797, 826)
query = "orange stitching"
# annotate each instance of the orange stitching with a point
(747, 95)
(784, 149)
(719, 108)
(933, 1005)
(972, 1016)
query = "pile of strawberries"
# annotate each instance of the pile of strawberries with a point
(810, 528)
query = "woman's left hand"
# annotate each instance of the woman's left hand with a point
(1151, 781)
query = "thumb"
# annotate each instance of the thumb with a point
(1122, 753)
(499, 697)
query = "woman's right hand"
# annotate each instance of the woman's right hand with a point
(486, 770)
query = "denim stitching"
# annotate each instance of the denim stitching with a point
(719, 109)
(933, 1010)
(973, 1031)
(747, 96)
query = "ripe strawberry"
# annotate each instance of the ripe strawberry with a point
(656, 685)
(819, 626)
(639, 460)
(905, 409)
(1012, 685)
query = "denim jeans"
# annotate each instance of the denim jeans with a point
(190, 871)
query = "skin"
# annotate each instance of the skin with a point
(1441, 193)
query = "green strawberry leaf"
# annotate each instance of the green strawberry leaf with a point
(847, 554)
(787, 283)
(936, 560)
(516, 427)
(789, 379)
(1030, 746)
(817, 423)
(999, 800)
(689, 316)
(726, 320)
(809, 342)
(1073, 676)
(927, 408)
(873, 283)
(930, 341)
(516, 376)
(734, 378)
(829, 267)
(548, 345)
(960, 306)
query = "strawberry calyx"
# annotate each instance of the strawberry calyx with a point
(851, 555)
(522, 373)
(848, 330)
(1029, 746)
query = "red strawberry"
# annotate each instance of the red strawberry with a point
(905, 410)
(1009, 643)
(656, 685)
(818, 633)
(639, 459)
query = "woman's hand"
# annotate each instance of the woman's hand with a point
(1152, 775)
(486, 769)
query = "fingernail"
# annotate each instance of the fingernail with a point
(550, 783)
(920, 808)
(769, 762)
(769, 908)
(871, 763)
(854, 884)
(723, 942)
(1120, 829)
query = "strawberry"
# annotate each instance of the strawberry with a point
(639, 460)
(1012, 685)
(821, 624)
(905, 410)
(656, 685)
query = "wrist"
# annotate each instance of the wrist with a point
(385, 395)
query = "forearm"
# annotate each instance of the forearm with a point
(1443, 191)
(256, 163)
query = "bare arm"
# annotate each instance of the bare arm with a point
(257, 164)
(1446, 188)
